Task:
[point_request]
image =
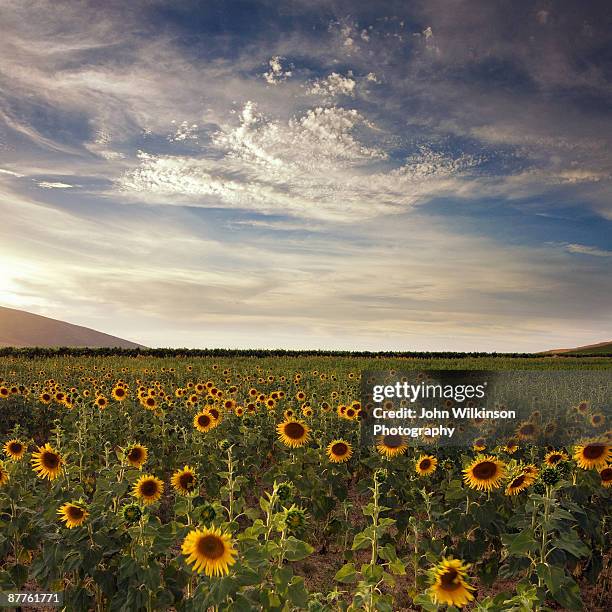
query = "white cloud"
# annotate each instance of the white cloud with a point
(54, 185)
(583, 249)
(333, 85)
(276, 74)
(10, 173)
(184, 131)
(312, 166)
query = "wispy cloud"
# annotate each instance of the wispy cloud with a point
(278, 178)
(583, 249)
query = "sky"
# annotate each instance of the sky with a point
(389, 175)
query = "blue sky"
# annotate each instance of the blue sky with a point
(356, 175)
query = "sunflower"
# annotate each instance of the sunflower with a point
(485, 473)
(209, 551)
(553, 457)
(4, 475)
(479, 445)
(511, 446)
(15, 449)
(597, 420)
(606, 477)
(391, 445)
(184, 481)
(148, 489)
(47, 462)
(137, 455)
(426, 465)
(339, 451)
(215, 413)
(73, 514)
(531, 470)
(594, 455)
(519, 483)
(119, 394)
(101, 402)
(527, 430)
(149, 402)
(449, 585)
(293, 433)
(203, 421)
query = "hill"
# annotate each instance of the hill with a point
(22, 329)
(601, 348)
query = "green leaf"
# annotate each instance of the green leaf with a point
(297, 593)
(521, 543)
(347, 573)
(296, 550)
(363, 539)
(572, 544)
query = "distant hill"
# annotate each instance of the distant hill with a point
(22, 329)
(602, 348)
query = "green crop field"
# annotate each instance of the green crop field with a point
(237, 482)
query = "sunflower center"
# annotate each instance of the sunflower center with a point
(425, 464)
(50, 460)
(555, 458)
(449, 580)
(135, 454)
(203, 420)
(339, 448)
(485, 470)
(294, 430)
(75, 513)
(518, 481)
(606, 474)
(187, 480)
(392, 441)
(527, 429)
(211, 546)
(593, 451)
(15, 447)
(148, 488)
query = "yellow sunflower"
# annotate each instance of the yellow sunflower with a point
(15, 449)
(527, 430)
(293, 433)
(137, 455)
(184, 481)
(47, 462)
(4, 475)
(449, 585)
(553, 457)
(511, 446)
(148, 489)
(339, 451)
(391, 445)
(204, 422)
(73, 515)
(119, 394)
(593, 455)
(531, 470)
(426, 465)
(606, 476)
(485, 473)
(209, 551)
(519, 483)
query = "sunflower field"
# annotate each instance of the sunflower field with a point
(242, 483)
